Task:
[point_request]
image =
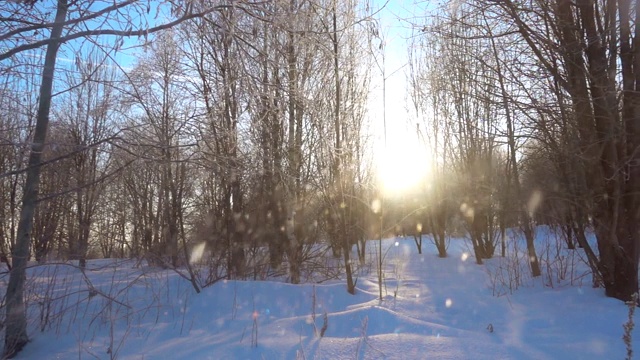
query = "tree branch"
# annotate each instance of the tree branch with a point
(68, 22)
(98, 32)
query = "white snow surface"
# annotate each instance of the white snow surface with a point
(432, 308)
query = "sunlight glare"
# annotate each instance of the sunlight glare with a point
(403, 166)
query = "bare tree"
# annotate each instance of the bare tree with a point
(53, 209)
(214, 56)
(162, 137)
(466, 83)
(525, 212)
(346, 213)
(16, 332)
(18, 100)
(111, 19)
(594, 47)
(87, 117)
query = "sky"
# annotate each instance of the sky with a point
(403, 161)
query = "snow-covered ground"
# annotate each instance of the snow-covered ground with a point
(432, 308)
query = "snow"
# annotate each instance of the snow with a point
(432, 308)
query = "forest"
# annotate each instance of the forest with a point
(232, 139)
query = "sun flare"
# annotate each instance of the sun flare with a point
(402, 166)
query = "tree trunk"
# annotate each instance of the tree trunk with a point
(475, 241)
(503, 235)
(618, 264)
(362, 250)
(351, 286)
(568, 230)
(417, 237)
(337, 164)
(531, 250)
(16, 319)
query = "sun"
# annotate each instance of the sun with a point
(402, 166)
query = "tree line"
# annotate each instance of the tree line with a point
(240, 126)
(534, 109)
